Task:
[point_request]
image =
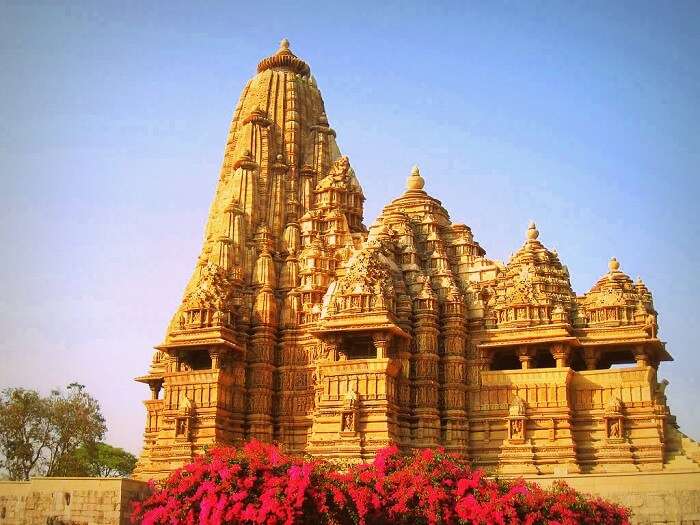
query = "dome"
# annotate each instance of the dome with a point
(616, 300)
(534, 287)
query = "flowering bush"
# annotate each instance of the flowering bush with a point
(257, 484)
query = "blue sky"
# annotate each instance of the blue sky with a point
(580, 115)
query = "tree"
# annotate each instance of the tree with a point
(77, 421)
(40, 435)
(103, 461)
(25, 431)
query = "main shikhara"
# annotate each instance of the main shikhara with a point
(301, 326)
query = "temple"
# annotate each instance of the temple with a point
(301, 326)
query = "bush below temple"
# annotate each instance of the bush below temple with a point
(259, 484)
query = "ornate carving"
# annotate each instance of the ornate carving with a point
(301, 326)
(517, 407)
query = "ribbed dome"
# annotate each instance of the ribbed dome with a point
(285, 59)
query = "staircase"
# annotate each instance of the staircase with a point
(682, 452)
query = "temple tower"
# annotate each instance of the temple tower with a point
(234, 363)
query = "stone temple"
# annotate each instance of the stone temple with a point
(303, 327)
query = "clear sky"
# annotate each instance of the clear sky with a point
(113, 117)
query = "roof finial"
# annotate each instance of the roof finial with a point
(283, 58)
(532, 232)
(415, 181)
(614, 264)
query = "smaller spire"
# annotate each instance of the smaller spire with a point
(284, 45)
(415, 181)
(614, 265)
(532, 232)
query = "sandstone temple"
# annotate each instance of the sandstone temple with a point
(302, 326)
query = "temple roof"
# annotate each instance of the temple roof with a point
(616, 289)
(535, 276)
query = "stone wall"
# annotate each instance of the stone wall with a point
(654, 497)
(68, 501)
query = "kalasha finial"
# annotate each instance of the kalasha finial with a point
(285, 59)
(614, 264)
(415, 181)
(532, 232)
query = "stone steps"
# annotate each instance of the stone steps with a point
(682, 452)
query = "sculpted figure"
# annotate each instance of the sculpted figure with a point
(650, 324)
(380, 303)
(351, 397)
(348, 420)
(517, 407)
(615, 429)
(516, 428)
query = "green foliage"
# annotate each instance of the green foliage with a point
(25, 431)
(40, 435)
(103, 461)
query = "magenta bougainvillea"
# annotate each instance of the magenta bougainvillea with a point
(257, 484)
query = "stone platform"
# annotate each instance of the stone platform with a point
(653, 497)
(69, 501)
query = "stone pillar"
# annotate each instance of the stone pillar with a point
(425, 382)
(214, 354)
(402, 349)
(260, 383)
(155, 387)
(331, 348)
(590, 356)
(641, 356)
(381, 344)
(454, 373)
(525, 354)
(561, 352)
